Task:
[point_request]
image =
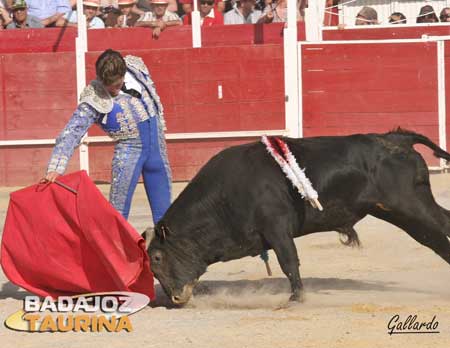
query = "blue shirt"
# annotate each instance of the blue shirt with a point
(46, 8)
(95, 23)
(234, 16)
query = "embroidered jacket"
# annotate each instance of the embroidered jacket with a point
(117, 116)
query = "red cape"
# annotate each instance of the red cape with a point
(56, 242)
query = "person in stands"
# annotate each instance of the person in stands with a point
(445, 14)
(367, 16)
(147, 6)
(244, 13)
(427, 15)
(397, 18)
(90, 10)
(21, 19)
(159, 18)
(49, 12)
(209, 15)
(123, 18)
(187, 6)
(4, 18)
(276, 11)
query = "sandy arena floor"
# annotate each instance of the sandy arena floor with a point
(351, 294)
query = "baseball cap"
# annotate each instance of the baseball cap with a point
(19, 4)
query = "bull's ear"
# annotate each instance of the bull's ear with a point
(163, 231)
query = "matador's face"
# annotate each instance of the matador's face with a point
(114, 88)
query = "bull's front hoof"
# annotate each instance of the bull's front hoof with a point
(297, 296)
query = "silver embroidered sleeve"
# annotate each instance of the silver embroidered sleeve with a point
(156, 100)
(83, 117)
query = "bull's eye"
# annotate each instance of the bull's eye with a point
(157, 258)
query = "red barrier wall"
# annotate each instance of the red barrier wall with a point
(38, 93)
(364, 88)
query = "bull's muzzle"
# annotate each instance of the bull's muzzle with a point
(184, 296)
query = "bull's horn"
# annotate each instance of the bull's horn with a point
(148, 235)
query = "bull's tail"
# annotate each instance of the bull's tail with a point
(415, 138)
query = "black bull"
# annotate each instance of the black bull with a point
(241, 203)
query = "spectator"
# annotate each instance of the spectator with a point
(126, 18)
(367, 16)
(21, 19)
(159, 18)
(445, 14)
(90, 9)
(107, 7)
(244, 13)
(49, 12)
(6, 4)
(110, 17)
(5, 19)
(208, 14)
(397, 18)
(188, 7)
(146, 5)
(427, 15)
(276, 12)
(230, 4)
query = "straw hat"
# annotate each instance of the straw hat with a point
(92, 3)
(126, 2)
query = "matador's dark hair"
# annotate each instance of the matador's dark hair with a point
(110, 67)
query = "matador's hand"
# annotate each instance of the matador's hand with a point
(51, 176)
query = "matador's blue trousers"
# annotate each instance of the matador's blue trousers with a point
(133, 157)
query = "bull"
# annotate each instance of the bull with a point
(240, 204)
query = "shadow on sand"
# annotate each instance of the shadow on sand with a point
(241, 288)
(9, 290)
(277, 286)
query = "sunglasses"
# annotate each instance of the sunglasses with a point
(210, 3)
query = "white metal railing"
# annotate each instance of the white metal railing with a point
(441, 97)
(81, 47)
